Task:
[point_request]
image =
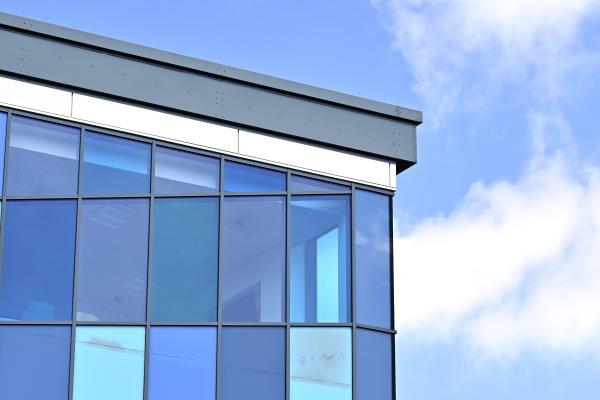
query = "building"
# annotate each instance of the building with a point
(176, 229)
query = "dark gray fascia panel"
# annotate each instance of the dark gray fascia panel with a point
(130, 72)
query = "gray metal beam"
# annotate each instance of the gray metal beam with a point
(133, 73)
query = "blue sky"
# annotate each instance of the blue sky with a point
(498, 243)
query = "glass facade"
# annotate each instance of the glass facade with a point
(136, 269)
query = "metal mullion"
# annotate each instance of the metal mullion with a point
(43, 197)
(176, 323)
(28, 322)
(219, 276)
(4, 185)
(353, 285)
(323, 193)
(115, 196)
(76, 263)
(288, 285)
(254, 324)
(254, 163)
(376, 328)
(149, 271)
(241, 194)
(181, 195)
(46, 118)
(306, 174)
(110, 323)
(375, 189)
(321, 324)
(121, 134)
(391, 294)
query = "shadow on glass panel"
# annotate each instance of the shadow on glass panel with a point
(43, 158)
(320, 259)
(248, 178)
(178, 171)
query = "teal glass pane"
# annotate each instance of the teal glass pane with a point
(185, 259)
(303, 184)
(248, 178)
(114, 165)
(43, 158)
(109, 363)
(321, 363)
(320, 259)
(373, 365)
(179, 171)
(183, 363)
(2, 147)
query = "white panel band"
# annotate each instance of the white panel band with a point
(34, 97)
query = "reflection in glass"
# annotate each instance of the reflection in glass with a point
(303, 184)
(34, 362)
(248, 178)
(372, 251)
(2, 147)
(320, 259)
(184, 263)
(253, 363)
(114, 165)
(321, 363)
(253, 259)
(182, 172)
(39, 254)
(109, 363)
(43, 158)
(373, 365)
(113, 253)
(182, 363)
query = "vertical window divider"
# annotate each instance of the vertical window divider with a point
(288, 198)
(392, 292)
(76, 264)
(219, 258)
(149, 272)
(353, 286)
(3, 201)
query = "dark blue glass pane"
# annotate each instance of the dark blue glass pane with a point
(2, 146)
(320, 259)
(34, 362)
(248, 178)
(321, 363)
(304, 184)
(109, 363)
(183, 363)
(184, 266)
(43, 158)
(372, 251)
(39, 254)
(182, 172)
(253, 259)
(113, 255)
(114, 165)
(373, 365)
(253, 363)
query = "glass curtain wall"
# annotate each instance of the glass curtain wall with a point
(135, 269)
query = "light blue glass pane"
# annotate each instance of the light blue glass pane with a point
(253, 259)
(253, 363)
(248, 178)
(321, 363)
(373, 365)
(182, 363)
(304, 184)
(320, 259)
(372, 251)
(34, 362)
(43, 158)
(114, 165)
(109, 363)
(39, 254)
(185, 258)
(113, 258)
(2, 146)
(182, 172)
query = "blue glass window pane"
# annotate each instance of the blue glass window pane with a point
(114, 165)
(321, 363)
(182, 172)
(304, 184)
(248, 178)
(109, 363)
(253, 363)
(372, 251)
(39, 254)
(320, 259)
(34, 362)
(183, 363)
(185, 259)
(43, 158)
(253, 259)
(373, 365)
(2, 146)
(113, 258)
